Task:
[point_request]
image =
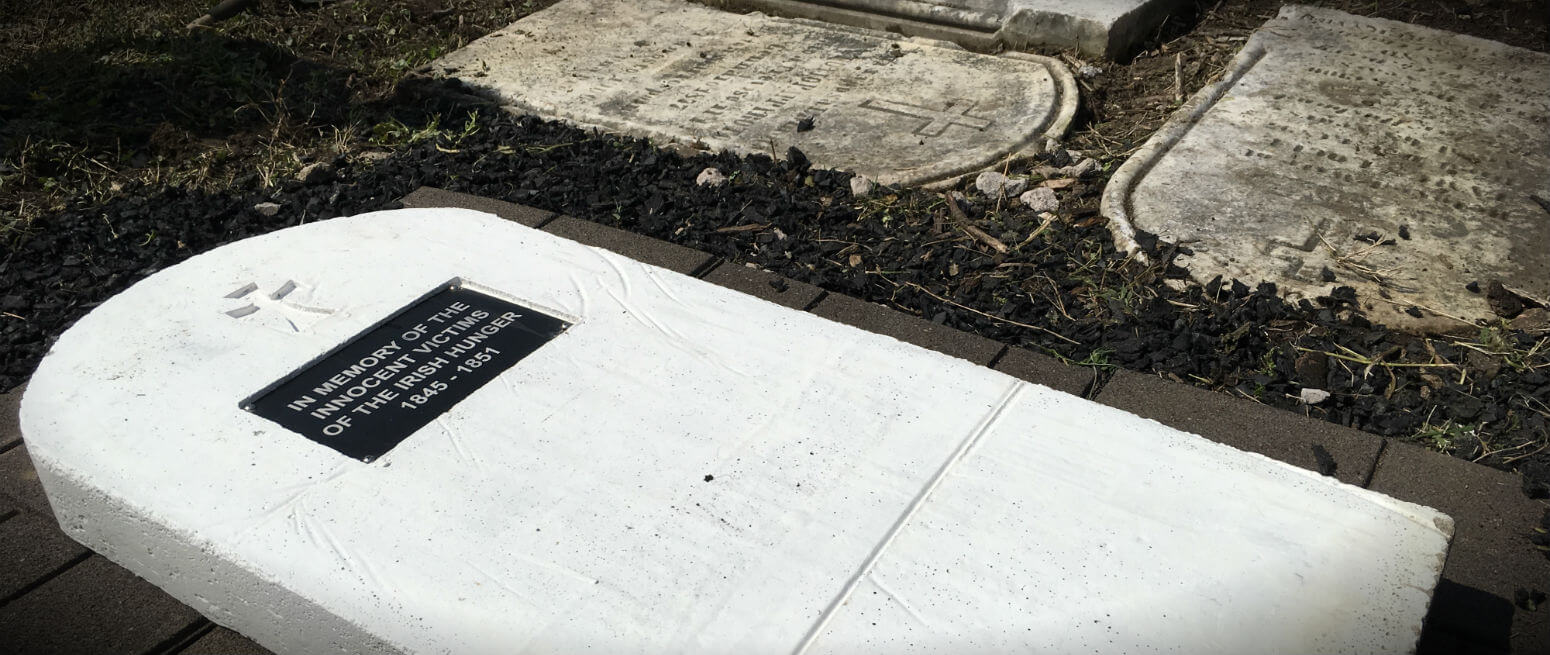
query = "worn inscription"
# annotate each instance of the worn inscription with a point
(746, 85)
(896, 110)
(1342, 132)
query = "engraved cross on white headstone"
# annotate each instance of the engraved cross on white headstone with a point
(955, 113)
(286, 314)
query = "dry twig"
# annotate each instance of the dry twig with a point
(980, 235)
(993, 317)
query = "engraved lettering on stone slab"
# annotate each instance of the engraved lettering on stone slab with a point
(676, 71)
(283, 313)
(1357, 125)
(936, 122)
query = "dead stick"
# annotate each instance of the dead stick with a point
(994, 243)
(992, 317)
(751, 227)
(954, 209)
(980, 235)
(1048, 218)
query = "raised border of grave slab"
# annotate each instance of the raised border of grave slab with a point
(1096, 28)
(1339, 150)
(899, 111)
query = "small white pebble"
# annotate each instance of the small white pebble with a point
(861, 186)
(710, 177)
(1314, 396)
(1041, 200)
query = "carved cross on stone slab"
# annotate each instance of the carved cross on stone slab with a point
(955, 113)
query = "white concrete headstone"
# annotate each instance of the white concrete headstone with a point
(899, 111)
(671, 467)
(1099, 28)
(1403, 160)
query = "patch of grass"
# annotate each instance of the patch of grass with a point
(1097, 358)
(1445, 437)
(1498, 340)
(877, 208)
(395, 133)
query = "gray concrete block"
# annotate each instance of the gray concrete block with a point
(19, 482)
(977, 40)
(1245, 425)
(1042, 369)
(222, 641)
(1491, 556)
(1097, 28)
(644, 249)
(909, 329)
(94, 607)
(433, 197)
(32, 548)
(765, 285)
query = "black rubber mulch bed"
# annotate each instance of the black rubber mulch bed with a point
(1066, 292)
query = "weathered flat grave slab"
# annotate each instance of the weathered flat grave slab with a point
(456, 453)
(896, 110)
(1099, 28)
(1403, 161)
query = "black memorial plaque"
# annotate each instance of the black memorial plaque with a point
(377, 389)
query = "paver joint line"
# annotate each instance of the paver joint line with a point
(46, 578)
(995, 359)
(188, 642)
(184, 638)
(707, 268)
(965, 447)
(1383, 446)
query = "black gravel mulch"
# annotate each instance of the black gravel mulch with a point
(1064, 290)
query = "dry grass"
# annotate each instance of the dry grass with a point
(96, 98)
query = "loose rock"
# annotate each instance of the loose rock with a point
(1083, 168)
(710, 177)
(267, 208)
(1505, 303)
(861, 186)
(1041, 199)
(1314, 396)
(316, 173)
(995, 185)
(1312, 369)
(1532, 320)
